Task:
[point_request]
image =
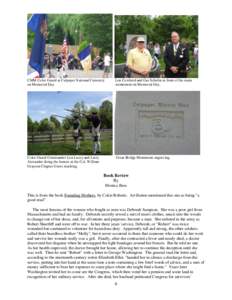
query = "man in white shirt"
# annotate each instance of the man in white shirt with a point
(139, 60)
(107, 61)
(195, 55)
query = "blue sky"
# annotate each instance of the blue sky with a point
(43, 104)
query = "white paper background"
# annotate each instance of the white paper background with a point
(208, 174)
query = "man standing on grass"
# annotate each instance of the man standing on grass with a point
(176, 58)
(95, 130)
(77, 131)
(139, 60)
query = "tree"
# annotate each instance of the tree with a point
(46, 125)
(164, 25)
(55, 121)
(29, 124)
(56, 34)
(35, 126)
(62, 25)
(97, 29)
(131, 25)
(66, 124)
(105, 112)
(80, 107)
(32, 126)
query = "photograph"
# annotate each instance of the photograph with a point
(156, 46)
(161, 122)
(69, 123)
(69, 46)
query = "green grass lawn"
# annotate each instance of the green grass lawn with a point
(68, 148)
(192, 74)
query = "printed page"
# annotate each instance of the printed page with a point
(115, 150)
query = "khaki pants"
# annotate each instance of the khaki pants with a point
(135, 75)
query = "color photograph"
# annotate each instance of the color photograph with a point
(69, 123)
(156, 46)
(69, 45)
(157, 123)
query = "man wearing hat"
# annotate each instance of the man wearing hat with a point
(76, 131)
(95, 130)
(139, 60)
(176, 58)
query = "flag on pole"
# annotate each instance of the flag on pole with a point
(32, 74)
(38, 24)
(64, 49)
(85, 58)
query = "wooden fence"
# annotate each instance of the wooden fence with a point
(67, 136)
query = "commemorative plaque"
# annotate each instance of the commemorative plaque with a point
(157, 123)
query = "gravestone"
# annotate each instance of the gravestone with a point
(131, 40)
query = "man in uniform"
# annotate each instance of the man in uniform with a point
(139, 60)
(95, 130)
(176, 58)
(76, 131)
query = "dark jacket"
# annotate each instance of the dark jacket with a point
(179, 60)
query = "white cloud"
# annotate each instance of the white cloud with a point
(42, 112)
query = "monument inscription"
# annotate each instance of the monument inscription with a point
(157, 122)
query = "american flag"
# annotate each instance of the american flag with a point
(64, 48)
